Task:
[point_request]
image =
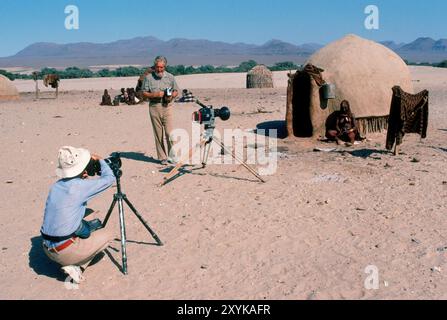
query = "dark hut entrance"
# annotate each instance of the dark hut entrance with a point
(302, 123)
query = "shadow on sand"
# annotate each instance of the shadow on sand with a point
(278, 125)
(41, 264)
(138, 156)
(366, 153)
(439, 148)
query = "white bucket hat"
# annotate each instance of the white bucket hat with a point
(72, 161)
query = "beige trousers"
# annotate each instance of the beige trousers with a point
(82, 251)
(161, 118)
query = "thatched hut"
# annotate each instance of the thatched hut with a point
(7, 89)
(354, 69)
(259, 77)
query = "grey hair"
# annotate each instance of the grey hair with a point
(160, 59)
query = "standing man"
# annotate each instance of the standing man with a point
(161, 89)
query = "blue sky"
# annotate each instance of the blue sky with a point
(23, 22)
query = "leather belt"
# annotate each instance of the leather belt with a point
(62, 246)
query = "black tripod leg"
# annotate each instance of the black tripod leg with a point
(153, 234)
(109, 213)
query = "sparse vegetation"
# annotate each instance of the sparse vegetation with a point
(75, 72)
(442, 64)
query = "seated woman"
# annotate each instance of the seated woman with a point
(106, 99)
(343, 127)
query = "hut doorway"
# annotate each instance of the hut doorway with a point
(302, 123)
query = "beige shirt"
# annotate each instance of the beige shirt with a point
(152, 83)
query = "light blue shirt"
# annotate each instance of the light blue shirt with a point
(67, 202)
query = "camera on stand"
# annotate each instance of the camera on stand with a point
(207, 114)
(114, 162)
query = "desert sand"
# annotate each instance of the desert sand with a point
(309, 232)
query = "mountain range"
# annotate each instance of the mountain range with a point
(141, 50)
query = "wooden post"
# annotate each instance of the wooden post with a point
(289, 106)
(37, 85)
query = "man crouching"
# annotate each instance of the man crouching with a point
(68, 239)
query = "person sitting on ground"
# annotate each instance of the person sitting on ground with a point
(122, 97)
(186, 96)
(343, 128)
(132, 100)
(106, 99)
(68, 239)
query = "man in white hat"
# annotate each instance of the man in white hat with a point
(67, 238)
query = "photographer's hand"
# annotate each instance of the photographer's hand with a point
(95, 157)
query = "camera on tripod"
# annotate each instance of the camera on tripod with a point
(114, 162)
(207, 114)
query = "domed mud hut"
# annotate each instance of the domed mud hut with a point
(259, 77)
(7, 90)
(354, 69)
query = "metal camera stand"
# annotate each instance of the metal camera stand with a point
(205, 141)
(119, 197)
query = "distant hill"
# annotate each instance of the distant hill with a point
(141, 50)
(421, 50)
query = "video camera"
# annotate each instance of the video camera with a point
(167, 95)
(207, 114)
(114, 162)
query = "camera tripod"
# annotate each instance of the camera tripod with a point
(205, 142)
(119, 197)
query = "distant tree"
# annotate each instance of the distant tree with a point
(246, 66)
(127, 72)
(8, 75)
(104, 73)
(223, 69)
(206, 69)
(283, 66)
(75, 73)
(176, 70)
(43, 72)
(442, 64)
(190, 70)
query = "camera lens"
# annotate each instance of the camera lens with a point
(223, 113)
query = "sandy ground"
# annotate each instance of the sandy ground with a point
(308, 233)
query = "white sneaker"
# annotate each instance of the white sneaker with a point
(74, 272)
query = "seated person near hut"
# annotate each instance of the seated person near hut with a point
(121, 98)
(132, 98)
(106, 99)
(341, 125)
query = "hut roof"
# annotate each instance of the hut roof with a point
(7, 89)
(364, 73)
(259, 77)
(261, 70)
